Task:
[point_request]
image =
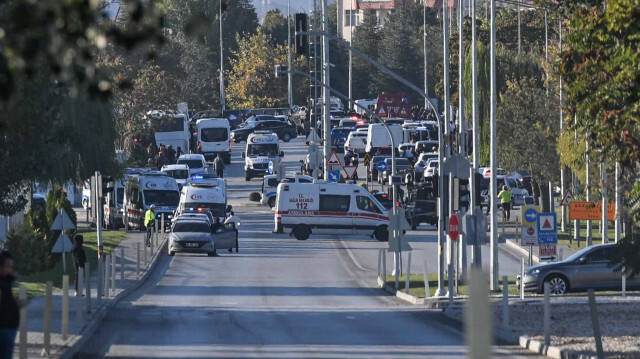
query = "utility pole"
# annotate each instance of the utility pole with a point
(574, 182)
(424, 48)
(351, 24)
(444, 123)
(462, 128)
(222, 95)
(605, 195)
(562, 189)
(289, 75)
(477, 251)
(546, 46)
(519, 32)
(588, 188)
(493, 189)
(618, 227)
(326, 94)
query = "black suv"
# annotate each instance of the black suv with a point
(284, 130)
(423, 211)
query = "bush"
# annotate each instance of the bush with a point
(29, 248)
(254, 196)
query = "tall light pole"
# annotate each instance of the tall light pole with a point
(289, 75)
(222, 95)
(493, 189)
(605, 203)
(587, 183)
(350, 54)
(618, 227)
(424, 47)
(326, 94)
(564, 209)
(477, 253)
(461, 124)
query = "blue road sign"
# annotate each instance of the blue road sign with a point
(334, 176)
(531, 215)
(270, 170)
(547, 228)
(381, 166)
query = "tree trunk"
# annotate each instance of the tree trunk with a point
(535, 188)
(545, 206)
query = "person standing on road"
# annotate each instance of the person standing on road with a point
(218, 165)
(79, 257)
(505, 199)
(236, 221)
(408, 180)
(150, 222)
(9, 306)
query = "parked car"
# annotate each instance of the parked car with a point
(285, 130)
(585, 269)
(402, 164)
(422, 211)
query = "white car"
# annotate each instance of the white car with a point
(270, 187)
(196, 163)
(356, 141)
(431, 168)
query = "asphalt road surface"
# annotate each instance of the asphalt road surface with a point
(277, 298)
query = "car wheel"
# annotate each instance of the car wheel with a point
(301, 232)
(382, 234)
(171, 254)
(272, 201)
(286, 137)
(558, 284)
(247, 177)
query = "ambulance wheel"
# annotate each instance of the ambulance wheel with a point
(301, 232)
(171, 254)
(272, 201)
(286, 137)
(381, 233)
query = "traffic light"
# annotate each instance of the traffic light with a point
(301, 41)
(464, 194)
(107, 184)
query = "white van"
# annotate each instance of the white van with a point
(179, 172)
(195, 162)
(356, 141)
(270, 186)
(378, 138)
(214, 137)
(262, 148)
(145, 189)
(205, 195)
(517, 189)
(113, 212)
(329, 208)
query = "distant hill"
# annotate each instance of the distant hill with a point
(263, 6)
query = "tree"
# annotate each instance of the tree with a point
(366, 38)
(252, 82)
(275, 25)
(527, 117)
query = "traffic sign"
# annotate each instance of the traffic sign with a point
(381, 166)
(568, 196)
(367, 159)
(334, 176)
(63, 244)
(547, 252)
(62, 221)
(313, 137)
(590, 211)
(547, 228)
(529, 225)
(270, 170)
(454, 228)
(350, 171)
(333, 160)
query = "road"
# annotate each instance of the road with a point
(277, 298)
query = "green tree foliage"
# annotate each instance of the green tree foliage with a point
(275, 25)
(527, 117)
(366, 38)
(252, 82)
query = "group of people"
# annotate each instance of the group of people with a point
(163, 156)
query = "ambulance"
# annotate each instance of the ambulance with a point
(327, 208)
(147, 188)
(204, 196)
(262, 148)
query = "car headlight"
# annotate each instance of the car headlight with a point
(533, 272)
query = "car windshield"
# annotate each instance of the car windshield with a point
(178, 174)
(162, 198)
(267, 149)
(191, 163)
(214, 134)
(340, 132)
(399, 162)
(191, 227)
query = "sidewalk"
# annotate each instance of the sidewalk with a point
(82, 329)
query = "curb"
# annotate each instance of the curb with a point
(430, 303)
(551, 351)
(511, 244)
(102, 312)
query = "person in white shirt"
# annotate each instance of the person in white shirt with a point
(236, 221)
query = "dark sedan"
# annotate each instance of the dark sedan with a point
(423, 211)
(284, 130)
(585, 269)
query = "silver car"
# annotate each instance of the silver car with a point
(191, 236)
(585, 269)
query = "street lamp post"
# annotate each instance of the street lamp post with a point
(289, 80)
(494, 280)
(326, 94)
(222, 94)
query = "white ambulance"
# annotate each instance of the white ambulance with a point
(143, 190)
(204, 196)
(262, 148)
(329, 208)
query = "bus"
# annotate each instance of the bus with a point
(170, 129)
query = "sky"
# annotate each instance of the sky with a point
(262, 6)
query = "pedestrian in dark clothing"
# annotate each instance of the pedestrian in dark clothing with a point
(179, 153)
(218, 166)
(9, 306)
(79, 257)
(171, 154)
